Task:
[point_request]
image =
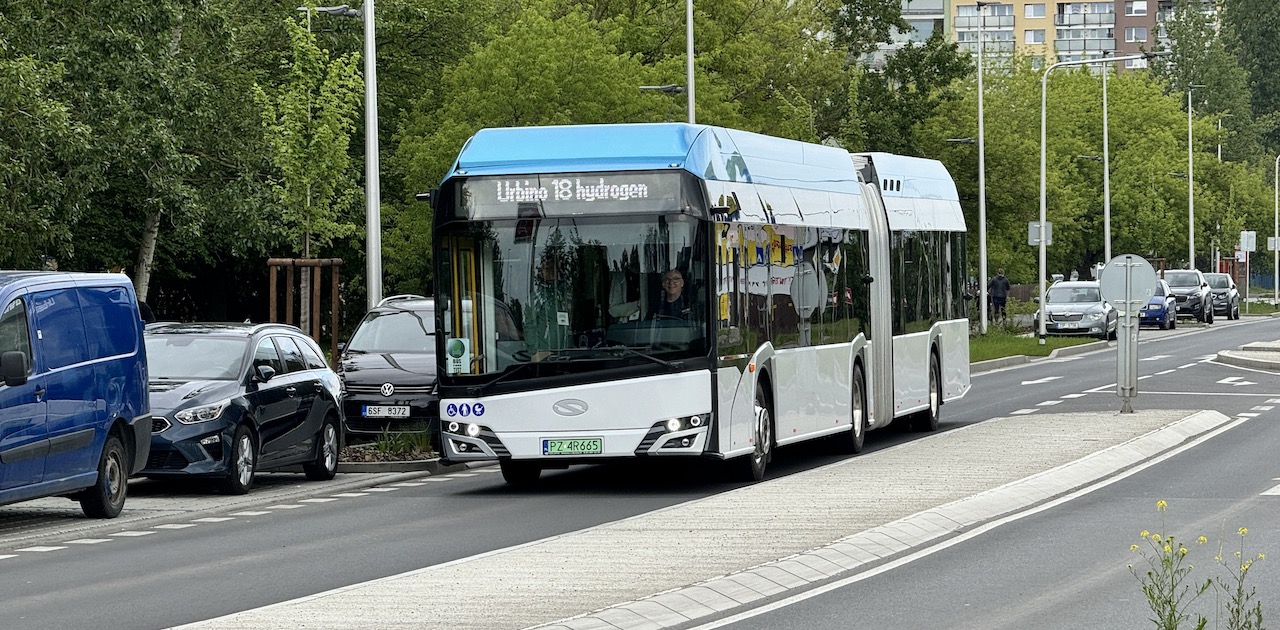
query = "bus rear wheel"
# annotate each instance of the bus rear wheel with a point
(519, 472)
(927, 420)
(853, 441)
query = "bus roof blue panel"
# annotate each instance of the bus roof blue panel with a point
(709, 152)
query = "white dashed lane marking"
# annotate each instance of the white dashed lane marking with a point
(383, 489)
(175, 526)
(1165, 372)
(1263, 408)
(132, 534)
(39, 549)
(88, 541)
(1048, 403)
(213, 519)
(318, 500)
(1183, 367)
(1023, 412)
(284, 506)
(7, 556)
(351, 495)
(1074, 395)
(254, 513)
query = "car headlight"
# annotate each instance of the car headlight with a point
(203, 413)
(1092, 317)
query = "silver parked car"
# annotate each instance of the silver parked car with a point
(1077, 308)
(1225, 296)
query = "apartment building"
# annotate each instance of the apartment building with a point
(1043, 30)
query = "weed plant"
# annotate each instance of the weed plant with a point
(1171, 590)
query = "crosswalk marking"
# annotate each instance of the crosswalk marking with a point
(1263, 408)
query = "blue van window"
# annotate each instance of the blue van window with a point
(109, 311)
(14, 333)
(60, 329)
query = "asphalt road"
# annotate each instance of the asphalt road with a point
(260, 556)
(1067, 565)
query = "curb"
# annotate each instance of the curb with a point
(433, 466)
(1240, 359)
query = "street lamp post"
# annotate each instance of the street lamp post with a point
(1191, 187)
(1275, 254)
(982, 179)
(688, 52)
(372, 185)
(1106, 169)
(1044, 124)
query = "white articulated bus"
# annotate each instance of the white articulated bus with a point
(823, 295)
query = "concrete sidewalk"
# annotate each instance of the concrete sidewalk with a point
(691, 561)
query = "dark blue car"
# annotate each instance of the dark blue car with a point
(232, 399)
(1161, 310)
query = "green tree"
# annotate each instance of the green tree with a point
(43, 174)
(308, 123)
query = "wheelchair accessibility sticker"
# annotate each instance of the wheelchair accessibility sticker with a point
(464, 410)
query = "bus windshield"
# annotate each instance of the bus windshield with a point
(572, 294)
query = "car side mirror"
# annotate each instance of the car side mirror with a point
(14, 368)
(263, 373)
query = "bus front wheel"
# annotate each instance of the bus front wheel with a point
(520, 472)
(853, 441)
(755, 463)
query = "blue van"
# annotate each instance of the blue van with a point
(75, 419)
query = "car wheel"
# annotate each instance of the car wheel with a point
(325, 465)
(1164, 323)
(1173, 321)
(240, 469)
(927, 420)
(105, 498)
(1235, 311)
(853, 441)
(520, 472)
(752, 467)
(1208, 315)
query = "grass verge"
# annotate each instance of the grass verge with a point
(998, 343)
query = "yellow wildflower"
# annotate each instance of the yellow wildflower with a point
(1244, 530)
(1133, 547)
(1161, 505)
(1145, 533)
(1202, 540)
(1168, 549)
(1183, 550)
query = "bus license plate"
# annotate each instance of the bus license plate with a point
(385, 411)
(573, 446)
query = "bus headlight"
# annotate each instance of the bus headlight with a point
(473, 430)
(453, 427)
(673, 425)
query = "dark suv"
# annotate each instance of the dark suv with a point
(388, 369)
(1192, 291)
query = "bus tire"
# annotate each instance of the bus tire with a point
(520, 472)
(927, 420)
(853, 441)
(753, 466)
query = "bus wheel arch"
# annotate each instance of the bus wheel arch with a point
(854, 440)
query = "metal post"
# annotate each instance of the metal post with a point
(982, 182)
(1275, 254)
(688, 39)
(1106, 172)
(372, 193)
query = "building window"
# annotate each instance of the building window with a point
(1033, 11)
(1033, 36)
(1135, 63)
(1135, 34)
(1135, 7)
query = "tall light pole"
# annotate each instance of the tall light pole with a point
(1191, 187)
(982, 178)
(372, 185)
(1275, 254)
(1044, 124)
(688, 52)
(1106, 168)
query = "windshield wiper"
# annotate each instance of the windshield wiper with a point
(629, 351)
(479, 390)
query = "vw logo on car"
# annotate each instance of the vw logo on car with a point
(388, 389)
